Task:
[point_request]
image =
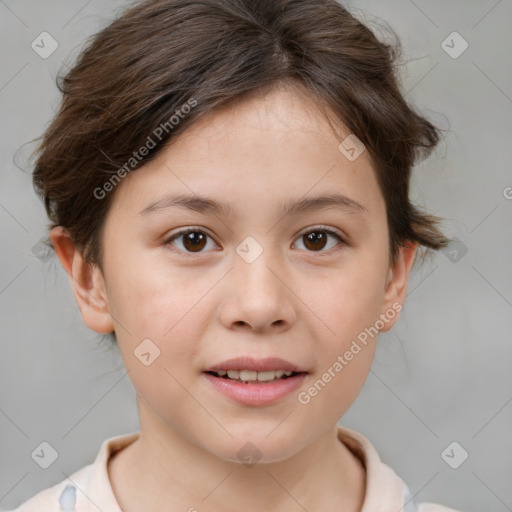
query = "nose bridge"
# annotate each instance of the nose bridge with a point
(256, 265)
(259, 296)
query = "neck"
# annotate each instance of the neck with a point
(162, 470)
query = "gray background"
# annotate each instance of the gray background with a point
(443, 374)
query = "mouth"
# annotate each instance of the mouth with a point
(255, 381)
(254, 377)
(255, 388)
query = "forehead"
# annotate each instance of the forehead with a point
(284, 110)
(275, 145)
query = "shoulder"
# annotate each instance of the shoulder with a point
(385, 490)
(86, 489)
(63, 493)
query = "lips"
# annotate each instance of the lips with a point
(255, 382)
(252, 393)
(256, 365)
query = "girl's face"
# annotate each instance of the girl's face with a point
(250, 281)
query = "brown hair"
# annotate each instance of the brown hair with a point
(159, 55)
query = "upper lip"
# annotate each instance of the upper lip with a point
(257, 365)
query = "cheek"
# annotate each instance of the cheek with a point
(348, 300)
(348, 305)
(153, 296)
(344, 351)
(160, 304)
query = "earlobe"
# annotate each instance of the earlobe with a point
(86, 280)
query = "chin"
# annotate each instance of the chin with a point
(254, 446)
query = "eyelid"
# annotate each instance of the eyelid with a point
(323, 227)
(188, 229)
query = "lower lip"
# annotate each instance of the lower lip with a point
(256, 394)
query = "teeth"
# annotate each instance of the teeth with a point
(268, 375)
(249, 375)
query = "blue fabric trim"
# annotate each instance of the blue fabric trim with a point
(410, 504)
(67, 499)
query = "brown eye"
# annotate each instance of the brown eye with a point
(193, 240)
(317, 239)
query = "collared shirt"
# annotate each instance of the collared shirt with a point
(89, 489)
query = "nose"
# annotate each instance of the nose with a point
(258, 296)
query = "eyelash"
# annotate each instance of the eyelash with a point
(319, 228)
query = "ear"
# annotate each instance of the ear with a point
(396, 282)
(87, 282)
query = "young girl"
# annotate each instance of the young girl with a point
(227, 182)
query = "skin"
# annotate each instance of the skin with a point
(296, 302)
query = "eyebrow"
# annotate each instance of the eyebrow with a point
(207, 205)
